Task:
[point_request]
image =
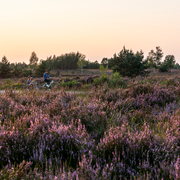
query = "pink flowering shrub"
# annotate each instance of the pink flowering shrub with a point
(136, 152)
(43, 140)
(109, 134)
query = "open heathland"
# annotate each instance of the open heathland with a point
(128, 131)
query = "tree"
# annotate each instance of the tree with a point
(81, 62)
(5, 69)
(129, 64)
(104, 62)
(17, 70)
(176, 66)
(170, 61)
(154, 58)
(163, 67)
(158, 55)
(33, 59)
(41, 68)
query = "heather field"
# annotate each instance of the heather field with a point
(130, 131)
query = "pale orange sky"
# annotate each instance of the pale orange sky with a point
(96, 28)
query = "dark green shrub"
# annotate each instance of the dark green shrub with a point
(27, 72)
(69, 84)
(57, 73)
(129, 64)
(163, 67)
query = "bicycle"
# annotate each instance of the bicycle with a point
(31, 86)
(48, 86)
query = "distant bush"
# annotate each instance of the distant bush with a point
(163, 67)
(26, 72)
(57, 73)
(17, 85)
(68, 84)
(8, 81)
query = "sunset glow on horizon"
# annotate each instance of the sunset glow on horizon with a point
(97, 29)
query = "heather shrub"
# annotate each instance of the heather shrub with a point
(105, 94)
(107, 134)
(91, 114)
(137, 89)
(124, 105)
(160, 96)
(173, 129)
(44, 141)
(171, 82)
(139, 152)
(137, 117)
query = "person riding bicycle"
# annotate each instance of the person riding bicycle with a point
(31, 83)
(28, 83)
(46, 77)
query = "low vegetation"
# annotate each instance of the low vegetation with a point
(122, 129)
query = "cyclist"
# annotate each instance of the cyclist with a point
(31, 83)
(46, 77)
(28, 83)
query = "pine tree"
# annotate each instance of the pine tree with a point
(130, 64)
(5, 69)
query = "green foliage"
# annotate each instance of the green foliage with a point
(154, 58)
(17, 71)
(104, 77)
(87, 86)
(129, 64)
(57, 73)
(8, 81)
(27, 72)
(92, 65)
(69, 84)
(41, 68)
(176, 66)
(163, 67)
(97, 81)
(17, 85)
(170, 61)
(5, 70)
(10, 84)
(81, 62)
(116, 81)
(102, 69)
(168, 64)
(65, 61)
(104, 62)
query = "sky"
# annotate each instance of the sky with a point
(95, 28)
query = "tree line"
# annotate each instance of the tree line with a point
(126, 62)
